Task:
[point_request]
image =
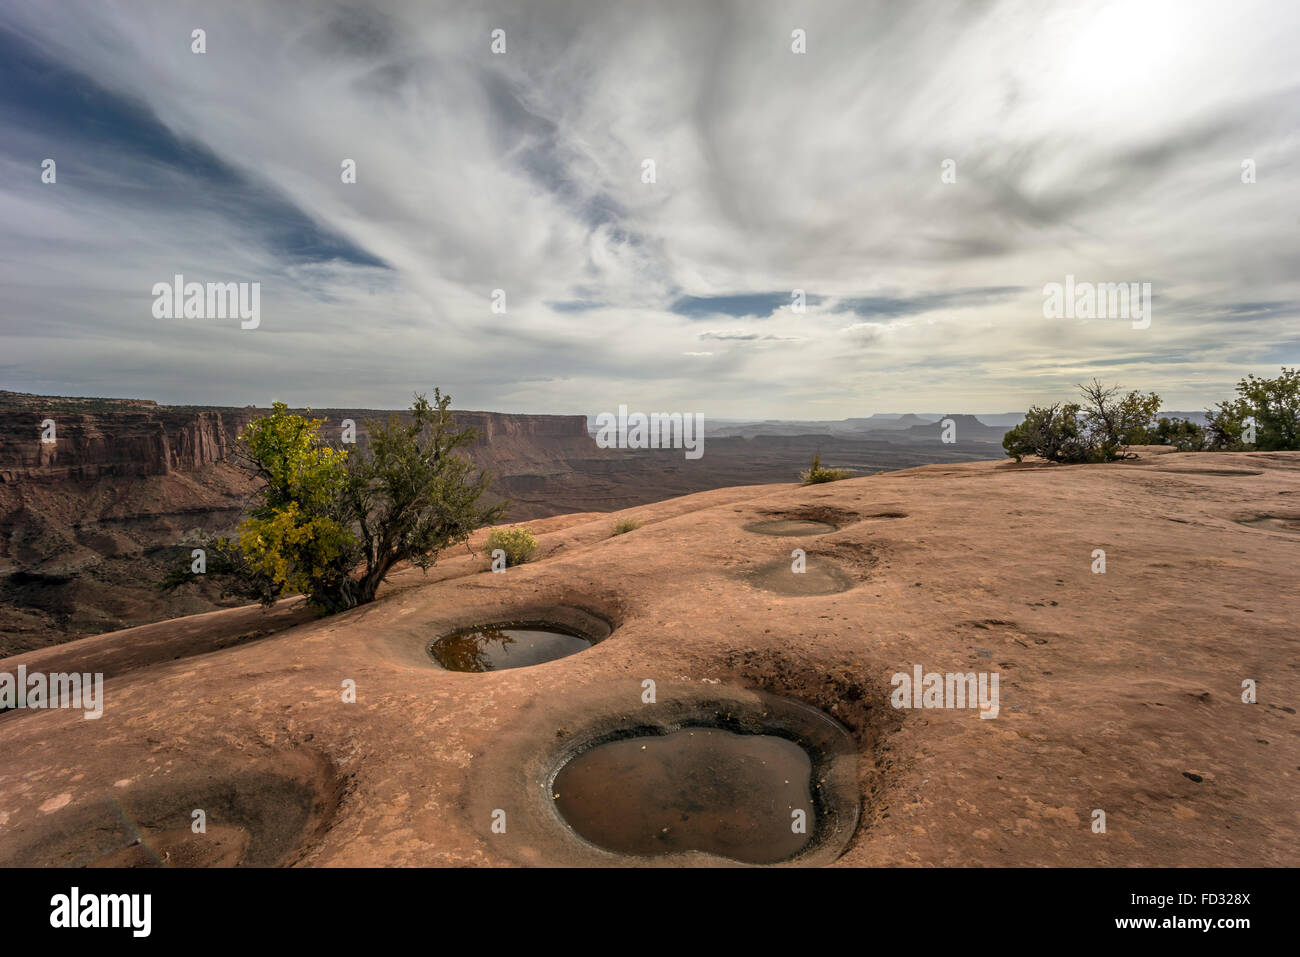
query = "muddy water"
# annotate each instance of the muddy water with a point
(493, 648)
(819, 577)
(696, 789)
(791, 526)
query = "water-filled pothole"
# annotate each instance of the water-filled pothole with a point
(507, 645)
(747, 797)
(791, 527)
(820, 576)
(729, 795)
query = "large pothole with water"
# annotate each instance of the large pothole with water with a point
(746, 797)
(700, 776)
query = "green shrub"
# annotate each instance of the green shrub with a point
(1226, 426)
(1264, 416)
(624, 525)
(1053, 433)
(817, 473)
(1098, 429)
(1273, 404)
(332, 523)
(1183, 434)
(519, 544)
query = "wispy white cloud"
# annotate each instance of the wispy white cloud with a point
(1088, 139)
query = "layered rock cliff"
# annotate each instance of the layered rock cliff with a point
(89, 520)
(46, 437)
(97, 496)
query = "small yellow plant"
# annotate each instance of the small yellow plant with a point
(818, 474)
(519, 544)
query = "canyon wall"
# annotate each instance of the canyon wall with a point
(89, 522)
(95, 438)
(92, 445)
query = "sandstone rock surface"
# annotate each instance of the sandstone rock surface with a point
(1120, 692)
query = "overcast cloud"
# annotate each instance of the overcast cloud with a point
(1100, 140)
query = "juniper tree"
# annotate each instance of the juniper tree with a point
(332, 523)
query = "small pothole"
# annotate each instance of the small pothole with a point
(791, 527)
(820, 576)
(256, 816)
(497, 647)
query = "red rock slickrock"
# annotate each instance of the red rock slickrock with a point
(93, 518)
(1120, 691)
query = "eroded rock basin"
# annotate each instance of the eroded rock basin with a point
(746, 797)
(255, 816)
(181, 847)
(820, 576)
(790, 527)
(497, 647)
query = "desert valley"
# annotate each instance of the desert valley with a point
(87, 523)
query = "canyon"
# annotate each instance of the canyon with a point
(89, 521)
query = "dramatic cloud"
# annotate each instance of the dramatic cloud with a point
(867, 226)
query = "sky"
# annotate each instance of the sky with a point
(921, 171)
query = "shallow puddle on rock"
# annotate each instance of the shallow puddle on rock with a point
(819, 577)
(494, 648)
(791, 526)
(699, 788)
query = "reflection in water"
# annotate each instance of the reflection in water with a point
(735, 795)
(496, 647)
